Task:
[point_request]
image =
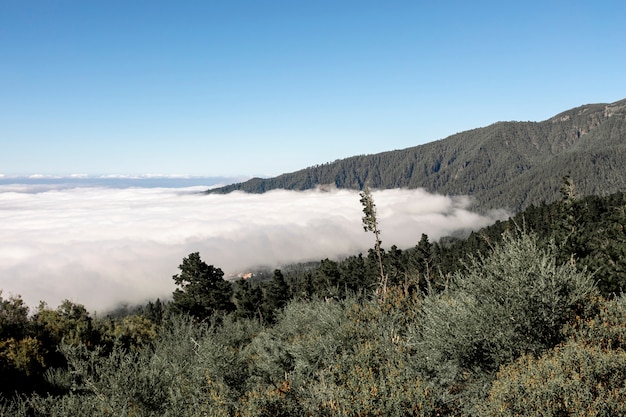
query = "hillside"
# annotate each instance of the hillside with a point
(504, 165)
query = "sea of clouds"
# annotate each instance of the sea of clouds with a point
(100, 246)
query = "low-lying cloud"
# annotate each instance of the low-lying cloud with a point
(100, 246)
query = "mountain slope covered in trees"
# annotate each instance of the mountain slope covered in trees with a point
(505, 165)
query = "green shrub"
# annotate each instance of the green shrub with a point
(607, 328)
(511, 302)
(572, 380)
(190, 370)
(373, 378)
(345, 358)
(304, 338)
(585, 376)
(372, 373)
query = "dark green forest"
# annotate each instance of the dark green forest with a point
(524, 317)
(508, 165)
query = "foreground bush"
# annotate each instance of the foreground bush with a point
(513, 302)
(191, 370)
(374, 373)
(334, 358)
(572, 380)
(586, 376)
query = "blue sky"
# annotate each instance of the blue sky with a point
(265, 87)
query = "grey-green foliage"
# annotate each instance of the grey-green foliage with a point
(586, 375)
(373, 373)
(306, 337)
(338, 358)
(171, 378)
(513, 301)
(154, 381)
(570, 380)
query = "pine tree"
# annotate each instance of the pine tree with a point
(276, 294)
(202, 289)
(422, 262)
(326, 280)
(248, 299)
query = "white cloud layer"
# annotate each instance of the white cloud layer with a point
(101, 246)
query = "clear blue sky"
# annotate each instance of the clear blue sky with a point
(265, 87)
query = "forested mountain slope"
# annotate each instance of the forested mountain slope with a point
(504, 165)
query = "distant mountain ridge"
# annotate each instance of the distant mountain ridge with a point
(505, 165)
(114, 181)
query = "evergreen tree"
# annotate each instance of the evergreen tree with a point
(354, 274)
(276, 294)
(395, 265)
(202, 290)
(154, 311)
(421, 263)
(248, 299)
(326, 280)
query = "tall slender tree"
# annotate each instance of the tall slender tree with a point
(370, 224)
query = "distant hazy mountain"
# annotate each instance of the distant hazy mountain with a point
(504, 165)
(36, 183)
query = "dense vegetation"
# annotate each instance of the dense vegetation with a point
(506, 165)
(525, 317)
